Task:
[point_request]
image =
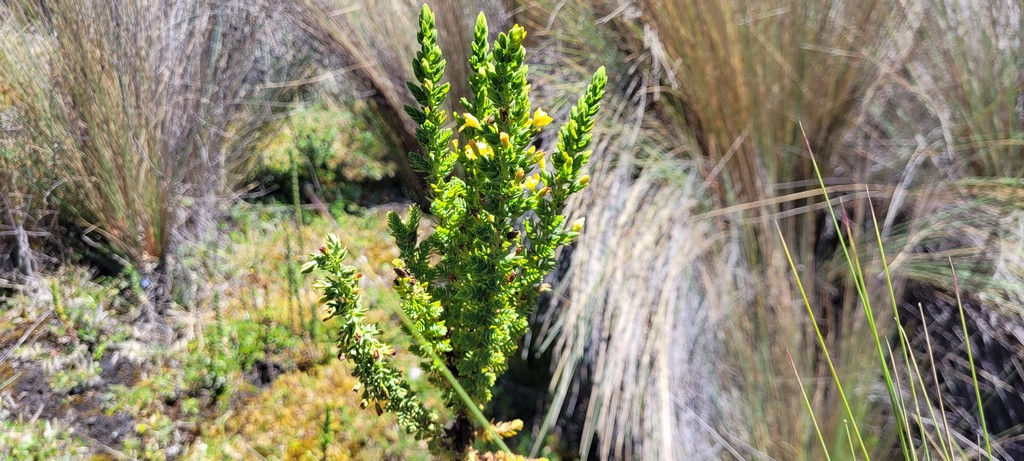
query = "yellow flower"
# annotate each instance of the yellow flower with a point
(504, 139)
(469, 121)
(484, 150)
(577, 225)
(475, 149)
(540, 118)
(531, 182)
(541, 162)
(584, 180)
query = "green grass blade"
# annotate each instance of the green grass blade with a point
(859, 283)
(824, 347)
(948, 447)
(970, 358)
(810, 409)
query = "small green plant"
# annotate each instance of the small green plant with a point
(467, 288)
(86, 330)
(78, 379)
(334, 151)
(233, 347)
(326, 433)
(38, 440)
(139, 398)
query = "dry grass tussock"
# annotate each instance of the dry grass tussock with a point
(135, 118)
(887, 97)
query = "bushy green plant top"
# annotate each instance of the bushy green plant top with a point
(497, 204)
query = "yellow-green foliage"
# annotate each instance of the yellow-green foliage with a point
(337, 148)
(38, 440)
(285, 422)
(468, 286)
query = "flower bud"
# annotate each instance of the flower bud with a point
(584, 180)
(469, 121)
(504, 139)
(577, 225)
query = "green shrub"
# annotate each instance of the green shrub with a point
(468, 287)
(338, 150)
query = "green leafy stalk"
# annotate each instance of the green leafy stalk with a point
(467, 287)
(382, 384)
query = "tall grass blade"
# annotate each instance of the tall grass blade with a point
(865, 301)
(970, 359)
(824, 349)
(810, 409)
(947, 449)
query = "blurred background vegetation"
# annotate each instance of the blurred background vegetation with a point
(164, 167)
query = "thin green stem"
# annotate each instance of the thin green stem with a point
(810, 409)
(472, 406)
(861, 287)
(824, 347)
(970, 359)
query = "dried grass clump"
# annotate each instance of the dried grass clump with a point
(631, 340)
(966, 70)
(137, 116)
(660, 268)
(738, 81)
(954, 116)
